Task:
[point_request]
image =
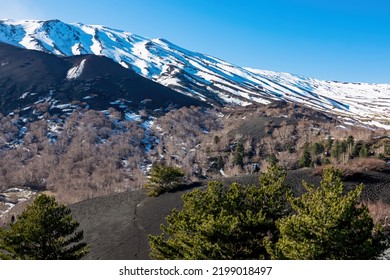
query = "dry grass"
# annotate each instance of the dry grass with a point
(357, 165)
(380, 213)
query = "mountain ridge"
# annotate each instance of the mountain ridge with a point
(204, 77)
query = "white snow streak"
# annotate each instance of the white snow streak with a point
(75, 72)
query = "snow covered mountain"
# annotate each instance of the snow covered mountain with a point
(201, 76)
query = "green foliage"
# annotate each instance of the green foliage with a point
(326, 161)
(329, 143)
(350, 141)
(343, 150)
(45, 230)
(364, 151)
(335, 152)
(381, 156)
(290, 148)
(356, 149)
(271, 159)
(219, 162)
(328, 224)
(236, 222)
(317, 148)
(239, 153)
(343, 147)
(250, 222)
(305, 160)
(387, 149)
(163, 178)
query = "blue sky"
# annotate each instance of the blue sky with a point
(331, 40)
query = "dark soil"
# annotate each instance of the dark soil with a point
(39, 73)
(117, 226)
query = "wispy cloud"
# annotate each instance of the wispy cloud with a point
(19, 9)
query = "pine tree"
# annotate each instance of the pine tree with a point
(350, 141)
(163, 178)
(336, 150)
(328, 224)
(364, 151)
(239, 153)
(317, 148)
(329, 143)
(45, 230)
(237, 222)
(305, 160)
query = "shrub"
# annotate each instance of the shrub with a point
(163, 178)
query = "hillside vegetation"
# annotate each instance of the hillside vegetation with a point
(92, 153)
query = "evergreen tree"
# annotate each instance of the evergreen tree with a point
(317, 148)
(305, 160)
(239, 154)
(45, 230)
(219, 162)
(335, 152)
(328, 224)
(329, 143)
(364, 151)
(350, 146)
(272, 159)
(237, 222)
(356, 149)
(350, 141)
(163, 178)
(343, 147)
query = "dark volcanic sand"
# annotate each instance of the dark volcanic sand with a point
(117, 226)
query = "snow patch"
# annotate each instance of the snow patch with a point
(24, 95)
(132, 117)
(76, 49)
(75, 72)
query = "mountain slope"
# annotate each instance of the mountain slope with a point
(198, 75)
(29, 78)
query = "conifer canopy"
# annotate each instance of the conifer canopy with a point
(328, 223)
(45, 230)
